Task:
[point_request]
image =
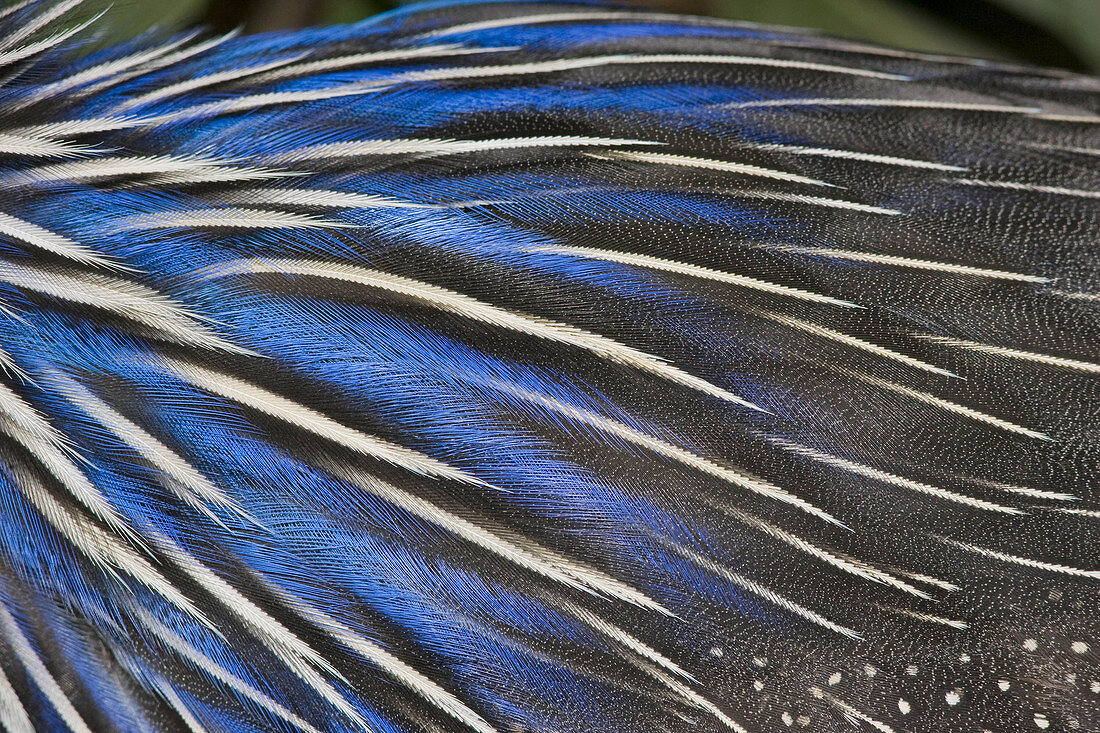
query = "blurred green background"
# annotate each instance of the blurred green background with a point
(1063, 33)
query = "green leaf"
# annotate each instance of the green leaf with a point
(352, 11)
(889, 22)
(128, 19)
(1076, 22)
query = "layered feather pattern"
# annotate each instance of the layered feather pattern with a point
(510, 367)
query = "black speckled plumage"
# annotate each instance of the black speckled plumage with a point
(545, 367)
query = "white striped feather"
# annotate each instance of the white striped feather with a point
(208, 666)
(763, 592)
(123, 298)
(178, 475)
(224, 217)
(927, 618)
(891, 102)
(13, 716)
(696, 700)
(857, 156)
(200, 82)
(40, 674)
(588, 62)
(1077, 119)
(722, 166)
(23, 424)
(888, 478)
(427, 146)
(850, 712)
(172, 321)
(912, 263)
(1023, 490)
(15, 55)
(1005, 557)
(317, 198)
(108, 70)
(846, 564)
(936, 582)
(952, 407)
(52, 242)
(705, 273)
(298, 656)
(404, 673)
(649, 654)
(107, 551)
(39, 21)
(666, 450)
(543, 18)
(1029, 187)
(856, 343)
(515, 549)
(246, 102)
(82, 126)
(163, 61)
(468, 307)
(163, 169)
(356, 60)
(171, 696)
(34, 147)
(274, 405)
(799, 198)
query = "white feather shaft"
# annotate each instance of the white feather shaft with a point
(468, 307)
(38, 672)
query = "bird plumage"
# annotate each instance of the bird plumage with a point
(544, 367)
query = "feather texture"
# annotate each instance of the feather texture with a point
(511, 366)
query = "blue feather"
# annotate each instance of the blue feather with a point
(544, 366)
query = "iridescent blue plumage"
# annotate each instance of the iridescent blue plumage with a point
(518, 366)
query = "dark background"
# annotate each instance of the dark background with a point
(1063, 33)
